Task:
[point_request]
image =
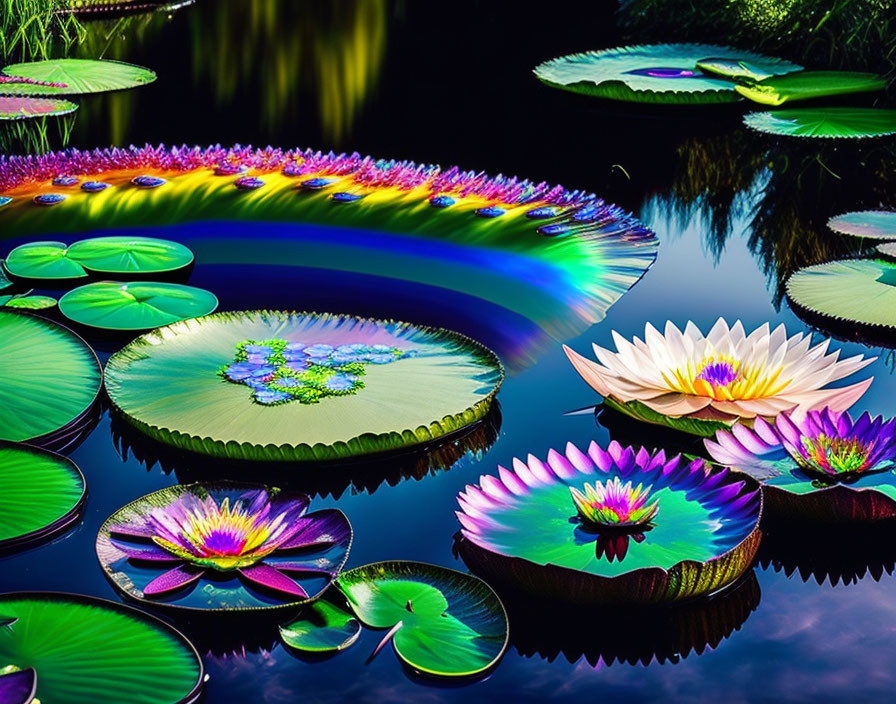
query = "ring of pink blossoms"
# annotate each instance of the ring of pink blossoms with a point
(279, 371)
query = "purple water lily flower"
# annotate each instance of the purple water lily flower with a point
(241, 371)
(18, 686)
(822, 444)
(197, 534)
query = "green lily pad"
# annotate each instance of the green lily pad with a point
(22, 107)
(322, 627)
(9, 87)
(138, 305)
(25, 302)
(805, 85)
(873, 224)
(40, 493)
(83, 75)
(91, 651)
(442, 622)
(825, 122)
(854, 290)
(660, 73)
(5, 283)
(49, 377)
(102, 255)
(734, 69)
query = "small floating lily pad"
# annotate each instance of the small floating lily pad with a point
(138, 305)
(873, 224)
(322, 628)
(91, 651)
(40, 493)
(859, 291)
(22, 87)
(825, 122)
(105, 255)
(25, 302)
(49, 377)
(81, 76)
(24, 107)
(269, 385)
(442, 622)
(805, 85)
(659, 73)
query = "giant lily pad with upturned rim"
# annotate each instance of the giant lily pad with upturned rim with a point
(521, 528)
(41, 493)
(49, 378)
(821, 123)
(115, 255)
(656, 73)
(92, 651)
(136, 305)
(168, 384)
(441, 622)
(133, 560)
(82, 76)
(853, 292)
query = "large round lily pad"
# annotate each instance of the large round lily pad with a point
(82, 76)
(91, 651)
(223, 547)
(322, 628)
(825, 122)
(855, 291)
(138, 305)
(442, 622)
(117, 255)
(22, 107)
(41, 493)
(269, 385)
(659, 73)
(872, 224)
(49, 378)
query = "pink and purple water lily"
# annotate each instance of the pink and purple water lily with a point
(824, 445)
(259, 535)
(612, 504)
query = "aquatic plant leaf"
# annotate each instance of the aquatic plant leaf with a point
(150, 550)
(805, 85)
(445, 623)
(18, 687)
(522, 526)
(24, 107)
(691, 426)
(105, 255)
(322, 627)
(659, 73)
(856, 291)
(40, 493)
(137, 305)
(168, 384)
(872, 224)
(22, 88)
(734, 69)
(90, 651)
(5, 283)
(81, 76)
(25, 302)
(825, 122)
(49, 377)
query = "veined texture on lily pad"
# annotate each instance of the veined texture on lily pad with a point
(525, 527)
(698, 383)
(557, 257)
(825, 123)
(334, 387)
(657, 73)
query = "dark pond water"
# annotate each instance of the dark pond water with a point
(451, 84)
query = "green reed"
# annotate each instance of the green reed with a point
(36, 29)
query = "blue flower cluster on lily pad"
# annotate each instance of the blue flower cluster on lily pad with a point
(279, 371)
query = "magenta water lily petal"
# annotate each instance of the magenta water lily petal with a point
(253, 543)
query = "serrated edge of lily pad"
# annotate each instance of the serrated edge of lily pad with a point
(62, 523)
(753, 119)
(411, 565)
(362, 445)
(131, 592)
(194, 695)
(834, 224)
(64, 107)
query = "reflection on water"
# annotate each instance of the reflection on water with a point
(299, 56)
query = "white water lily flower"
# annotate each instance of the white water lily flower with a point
(725, 375)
